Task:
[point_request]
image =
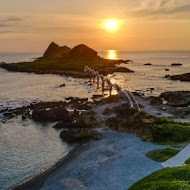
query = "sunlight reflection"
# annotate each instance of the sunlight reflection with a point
(112, 54)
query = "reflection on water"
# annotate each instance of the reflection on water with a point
(111, 54)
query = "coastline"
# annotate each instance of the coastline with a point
(37, 181)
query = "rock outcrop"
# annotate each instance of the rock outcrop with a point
(47, 112)
(182, 77)
(130, 121)
(83, 52)
(177, 98)
(55, 51)
(80, 135)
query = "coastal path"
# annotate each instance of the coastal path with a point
(104, 80)
(179, 159)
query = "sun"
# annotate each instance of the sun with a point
(111, 25)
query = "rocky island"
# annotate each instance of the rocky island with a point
(62, 60)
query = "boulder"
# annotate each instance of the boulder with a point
(55, 51)
(147, 64)
(166, 69)
(79, 135)
(182, 77)
(62, 85)
(177, 98)
(50, 114)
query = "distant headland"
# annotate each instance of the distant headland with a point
(62, 60)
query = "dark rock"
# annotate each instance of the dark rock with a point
(176, 64)
(55, 51)
(110, 99)
(9, 67)
(111, 70)
(50, 114)
(156, 101)
(130, 121)
(166, 69)
(24, 117)
(64, 125)
(136, 94)
(62, 85)
(167, 76)
(70, 125)
(8, 115)
(83, 52)
(177, 98)
(80, 135)
(182, 77)
(107, 111)
(147, 64)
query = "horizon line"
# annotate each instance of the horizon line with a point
(101, 50)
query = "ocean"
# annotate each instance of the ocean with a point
(27, 148)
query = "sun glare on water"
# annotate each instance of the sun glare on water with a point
(111, 54)
(111, 25)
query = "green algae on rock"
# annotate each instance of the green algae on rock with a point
(161, 155)
(166, 179)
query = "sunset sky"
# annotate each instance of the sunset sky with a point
(30, 25)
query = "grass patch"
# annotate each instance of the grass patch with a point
(165, 179)
(161, 155)
(166, 129)
(187, 162)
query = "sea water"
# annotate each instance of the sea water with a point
(27, 148)
(146, 77)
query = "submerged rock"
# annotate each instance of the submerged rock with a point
(80, 135)
(176, 64)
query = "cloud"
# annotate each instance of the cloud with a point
(9, 21)
(152, 8)
(6, 32)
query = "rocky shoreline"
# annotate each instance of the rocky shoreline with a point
(81, 120)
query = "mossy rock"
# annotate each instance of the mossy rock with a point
(166, 179)
(161, 155)
(166, 129)
(187, 162)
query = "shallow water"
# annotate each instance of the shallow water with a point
(26, 149)
(18, 89)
